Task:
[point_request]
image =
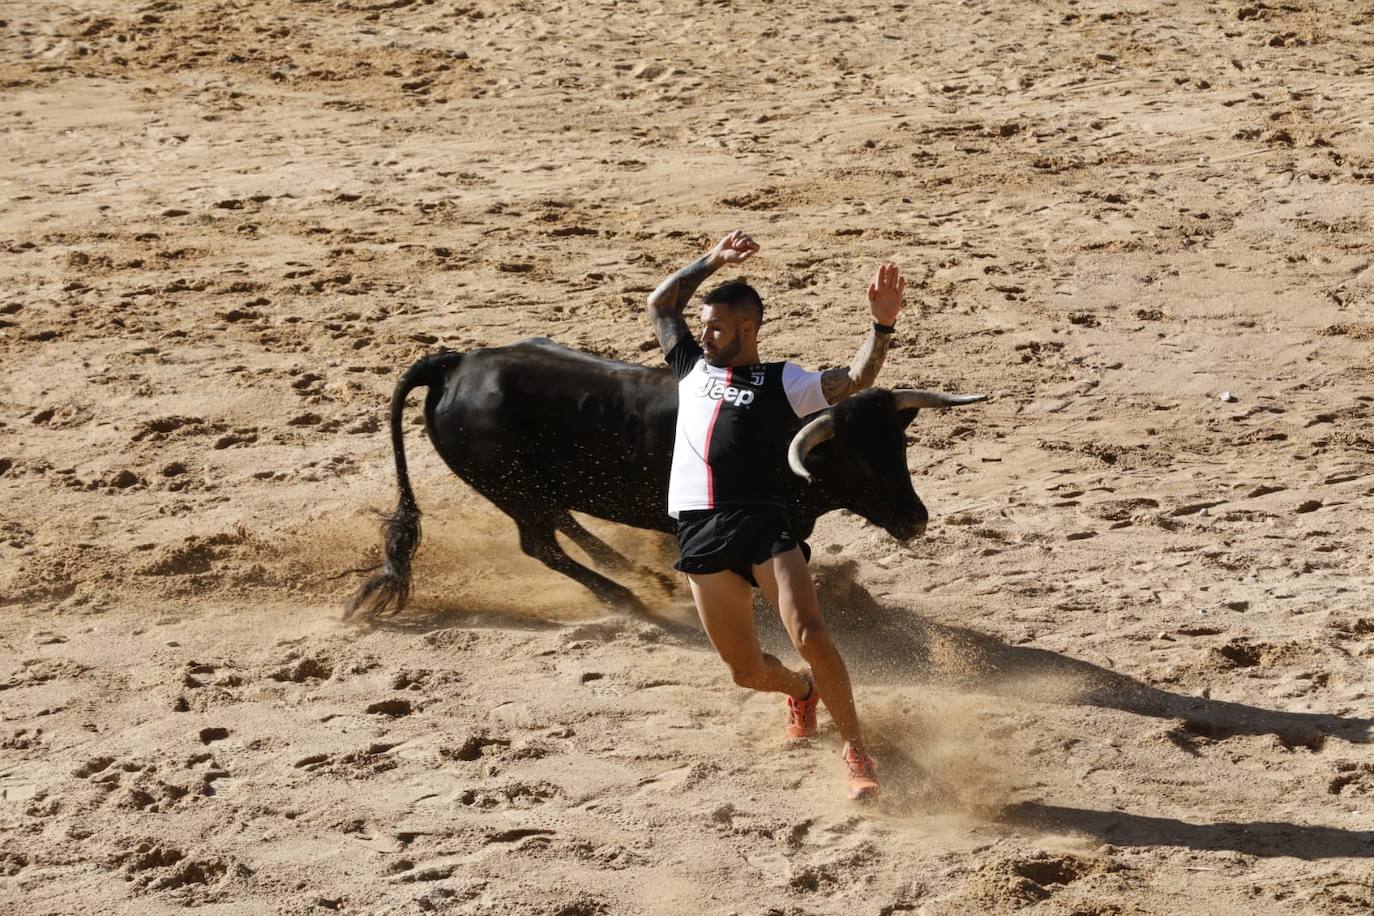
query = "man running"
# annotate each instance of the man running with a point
(735, 417)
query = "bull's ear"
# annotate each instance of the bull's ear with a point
(906, 416)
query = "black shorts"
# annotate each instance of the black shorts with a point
(716, 540)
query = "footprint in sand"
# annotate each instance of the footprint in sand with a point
(1352, 780)
(156, 867)
(393, 708)
(518, 794)
(312, 669)
(473, 747)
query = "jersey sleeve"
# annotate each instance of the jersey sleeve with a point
(683, 358)
(803, 389)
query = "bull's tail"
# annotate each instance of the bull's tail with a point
(387, 591)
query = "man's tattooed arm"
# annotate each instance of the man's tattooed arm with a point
(884, 302)
(838, 384)
(667, 302)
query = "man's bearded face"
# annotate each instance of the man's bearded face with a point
(720, 335)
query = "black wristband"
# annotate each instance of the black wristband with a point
(884, 328)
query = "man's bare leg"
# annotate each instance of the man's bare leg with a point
(786, 581)
(724, 603)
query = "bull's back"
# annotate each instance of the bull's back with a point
(547, 426)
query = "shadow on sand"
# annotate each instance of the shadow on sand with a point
(885, 643)
(892, 644)
(420, 618)
(1256, 838)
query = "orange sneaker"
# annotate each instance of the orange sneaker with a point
(862, 773)
(801, 714)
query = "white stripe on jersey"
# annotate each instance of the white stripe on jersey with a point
(690, 486)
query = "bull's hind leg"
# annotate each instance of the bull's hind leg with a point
(537, 539)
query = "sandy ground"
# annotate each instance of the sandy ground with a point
(1126, 671)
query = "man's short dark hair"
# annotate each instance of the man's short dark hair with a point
(737, 294)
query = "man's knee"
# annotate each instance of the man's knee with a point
(812, 640)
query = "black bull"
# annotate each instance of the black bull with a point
(542, 431)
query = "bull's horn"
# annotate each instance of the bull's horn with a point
(808, 437)
(908, 398)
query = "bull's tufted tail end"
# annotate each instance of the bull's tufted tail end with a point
(386, 592)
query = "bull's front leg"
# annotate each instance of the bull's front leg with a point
(607, 557)
(602, 554)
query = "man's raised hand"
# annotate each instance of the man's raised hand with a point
(671, 296)
(735, 248)
(885, 294)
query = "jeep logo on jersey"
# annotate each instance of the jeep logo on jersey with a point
(717, 390)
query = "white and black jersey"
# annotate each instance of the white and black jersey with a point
(733, 428)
